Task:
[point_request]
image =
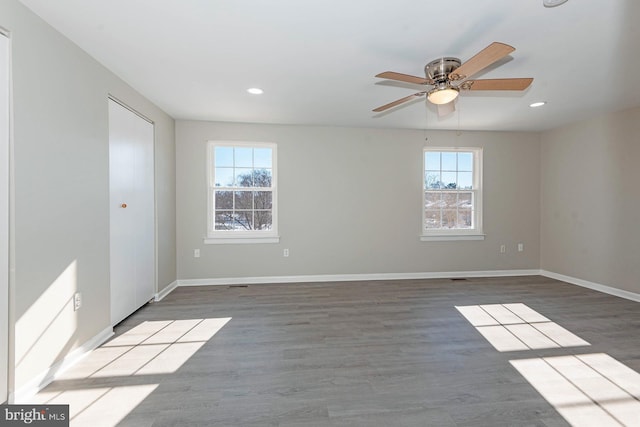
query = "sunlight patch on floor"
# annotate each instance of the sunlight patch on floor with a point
(150, 349)
(517, 327)
(587, 390)
(158, 347)
(100, 406)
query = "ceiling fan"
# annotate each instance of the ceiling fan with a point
(449, 76)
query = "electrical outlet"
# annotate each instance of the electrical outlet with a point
(503, 249)
(285, 253)
(77, 301)
(520, 247)
(196, 253)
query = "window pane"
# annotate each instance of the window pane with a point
(465, 180)
(224, 220)
(244, 177)
(465, 218)
(262, 158)
(450, 200)
(449, 180)
(262, 178)
(449, 218)
(238, 170)
(263, 220)
(224, 200)
(465, 162)
(224, 177)
(449, 161)
(465, 200)
(243, 157)
(262, 200)
(243, 220)
(432, 179)
(432, 160)
(432, 200)
(243, 199)
(223, 156)
(432, 219)
(450, 190)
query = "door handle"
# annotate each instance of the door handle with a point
(124, 205)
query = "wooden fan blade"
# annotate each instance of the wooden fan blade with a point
(391, 75)
(487, 56)
(398, 102)
(446, 109)
(497, 84)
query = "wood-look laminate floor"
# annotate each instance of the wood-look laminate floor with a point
(378, 353)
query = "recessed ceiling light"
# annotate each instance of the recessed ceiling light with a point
(255, 91)
(552, 3)
(537, 104)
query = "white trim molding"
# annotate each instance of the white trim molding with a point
(215, 236)
(159, 296)
(592, 285)
(475, 188)
(443, 237)
(32, 387)
(352, 277)
(240, 239)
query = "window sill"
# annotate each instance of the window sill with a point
(241, 240)
(449, 237)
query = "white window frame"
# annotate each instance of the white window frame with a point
(240, 236)
(474, 233)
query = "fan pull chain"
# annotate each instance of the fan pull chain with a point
(459, 111)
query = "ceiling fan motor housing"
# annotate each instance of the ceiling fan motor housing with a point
(439, 70)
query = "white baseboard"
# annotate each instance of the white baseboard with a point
(166, 291)
(352, 277)
(265, 280)
(591, 285)
(31, 388)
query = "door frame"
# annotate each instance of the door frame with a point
(7, 229)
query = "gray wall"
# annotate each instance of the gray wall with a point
(349, 203)
(62, 191)
(590, 200)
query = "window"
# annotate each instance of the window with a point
(242, 193)
(452, 194)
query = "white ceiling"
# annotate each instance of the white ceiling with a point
(316, 59)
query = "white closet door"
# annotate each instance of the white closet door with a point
(4, 216)
(132, 216)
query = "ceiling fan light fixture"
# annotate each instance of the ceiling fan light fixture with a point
(440, 96)
(553, 3)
